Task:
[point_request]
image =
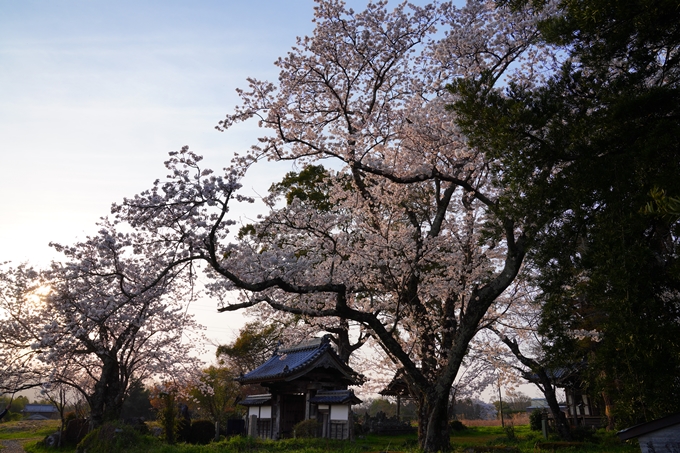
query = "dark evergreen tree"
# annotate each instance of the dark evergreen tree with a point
(584, 152)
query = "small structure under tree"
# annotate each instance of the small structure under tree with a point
(583, 408)
(40, 412)
(656, 436)
(307, 381)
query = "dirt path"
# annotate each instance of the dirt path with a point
(12, 446)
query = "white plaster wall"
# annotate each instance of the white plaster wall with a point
(339, 412)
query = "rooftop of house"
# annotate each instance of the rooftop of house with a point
(48, 408)
(335, 397)
(650, 427)
(289, 363)
(321, 397)
(256, 400)
(562, 377)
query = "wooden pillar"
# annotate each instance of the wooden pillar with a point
(277, 401)
(252, 426)
(350, 422)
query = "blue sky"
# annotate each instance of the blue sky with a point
(94, 94)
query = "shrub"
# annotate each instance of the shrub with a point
(306, 428)
(510, 432)
(111, 438)
(13, 417)
(457, 426)
(202, 431)
(183, 430)
(168, 417)
(606, 438)
(583, 434)
(241, 443)
(535, 420)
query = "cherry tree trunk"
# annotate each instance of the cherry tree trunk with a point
(433, 427)
(106, 399)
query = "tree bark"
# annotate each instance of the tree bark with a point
(549, 392)
(107, 398)
(545, 386)
(437, 436)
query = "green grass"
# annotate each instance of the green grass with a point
(523, 440)
(23, 429)
(474, 439)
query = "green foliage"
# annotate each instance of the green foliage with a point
(16, 405)
(536, 420)
(480, 439)
(373, 406)
(137, 403)
(12, 417)
(217, 394)
(510, 432)
(662, 205)
(255, 343)
(168, 416)
(183, 430)
(311, 185)
(457, 426)
(504, 407)
(606, 438)
(517, 401)
(580, 156)
(468, 409)
(307, 428)
(382, 405)
(112, 438)
(202, 431)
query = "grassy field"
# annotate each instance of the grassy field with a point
(28, 431)
(476, 439)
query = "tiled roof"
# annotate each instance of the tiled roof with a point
(288, 362)
(560, 376)
(397, 386)
(649, 427)
(256, 400)
(33, 408)
(335, 397)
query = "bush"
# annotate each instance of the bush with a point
(183, 430)
(457, 426)
(583, 434)
(111, 438)
(606, 438)
(168, 417)
(306, 428)
(13, 417)
(241, 443)
(202, 431)
(535, 421)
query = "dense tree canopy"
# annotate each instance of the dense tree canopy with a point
(584, 151)
(254, 345)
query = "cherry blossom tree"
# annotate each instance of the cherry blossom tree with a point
(109, 316)
(412, 243)
(19, 296)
